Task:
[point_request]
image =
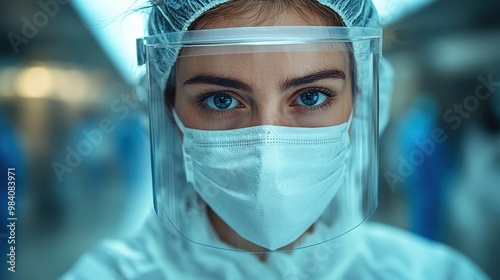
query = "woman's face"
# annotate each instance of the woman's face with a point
(291, 86)
(286, 88)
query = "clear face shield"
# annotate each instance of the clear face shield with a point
(265, 136)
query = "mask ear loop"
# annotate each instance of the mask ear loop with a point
(178, 122)
(349, 122)
(188, 162)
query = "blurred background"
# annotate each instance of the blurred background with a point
(71, 124)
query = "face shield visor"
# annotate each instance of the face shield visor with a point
(263, 135)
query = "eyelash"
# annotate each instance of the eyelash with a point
(330, 100)
(200, 102)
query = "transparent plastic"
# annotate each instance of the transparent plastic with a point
(263, 58)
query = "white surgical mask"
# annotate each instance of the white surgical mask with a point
(268, 183)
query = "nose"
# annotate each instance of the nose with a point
(271, 112)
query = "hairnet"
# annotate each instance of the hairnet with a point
(178, 15)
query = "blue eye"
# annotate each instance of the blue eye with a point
(310, 98)
(221, 101)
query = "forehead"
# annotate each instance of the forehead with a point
(246, 59)
(243, 61)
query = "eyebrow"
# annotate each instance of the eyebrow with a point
(289, 83)
(314, 77)
(218, 81)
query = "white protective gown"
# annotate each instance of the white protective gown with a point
(372, 251)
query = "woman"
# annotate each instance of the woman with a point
(264, 125)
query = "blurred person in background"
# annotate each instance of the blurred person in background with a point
(447, 85)
(264, 149)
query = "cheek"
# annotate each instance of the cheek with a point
(179, 101)
(183, 110)
(341, 109)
